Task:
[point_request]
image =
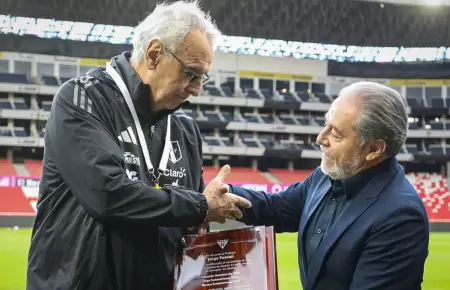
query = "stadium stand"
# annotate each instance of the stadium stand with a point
(34, 167)
(7, 167)
(430, 98)
(289, 176)
(247, 117)
(433, 188)
(13, 202)
(238, 175)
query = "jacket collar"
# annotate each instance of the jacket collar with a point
(141, 93)
(353, 185)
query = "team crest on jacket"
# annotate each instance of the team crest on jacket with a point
(175, 152)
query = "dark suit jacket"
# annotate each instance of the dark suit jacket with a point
(379, 242)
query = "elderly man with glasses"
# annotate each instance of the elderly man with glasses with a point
(122, 175)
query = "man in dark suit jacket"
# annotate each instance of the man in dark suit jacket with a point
(361, 225)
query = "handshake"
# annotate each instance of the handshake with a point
(222, 204)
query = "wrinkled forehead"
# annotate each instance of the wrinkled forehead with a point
(344, 112)
(196, 47)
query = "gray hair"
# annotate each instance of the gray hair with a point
(170, 23)
(383, 115)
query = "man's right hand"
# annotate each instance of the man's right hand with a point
(221, 204)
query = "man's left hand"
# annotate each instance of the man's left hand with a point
(203, 230)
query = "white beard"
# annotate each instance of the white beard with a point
(340, 171)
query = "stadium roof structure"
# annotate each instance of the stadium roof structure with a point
(414, 2)
(344, 22)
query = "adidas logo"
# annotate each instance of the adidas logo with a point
(222, 243)
(128, 136)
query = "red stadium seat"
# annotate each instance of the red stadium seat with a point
(433, 189)
(13, 201)
(238, 175)
(290, 176)
(7, 167)
(34, 167)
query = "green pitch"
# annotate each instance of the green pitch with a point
(14, 250)
(436, 267)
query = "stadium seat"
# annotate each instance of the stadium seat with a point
(436, 125)
(34, 167)
(212, 116)
(251, 93)
(238, 175)
(323, 97)
(20, 104)
(20, 132)
(412, 148)
(14, 202)
(267, 118)
(46, 105)
(5, 132)
(228, 91)
(212, 142)
(190, 112)
(433, 189)
(249, 140)
(5, 104)
(228, 116)
(436, 149)
(435, 102)
(414, 102)
(413, 125)
(49, 80)
(304, 96)
(289, 176)
(7, 167)
(252, 143)
(13, 78)
(319, 120)
(303, 120)
(288, 97)
(287, 120)
(267, 94)
(251, 118)
(212, 91)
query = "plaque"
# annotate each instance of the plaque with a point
(241, 259)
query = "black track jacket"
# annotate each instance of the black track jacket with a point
(100, 223)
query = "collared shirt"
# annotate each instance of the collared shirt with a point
(335, 202)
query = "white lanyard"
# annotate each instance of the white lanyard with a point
(167, 144)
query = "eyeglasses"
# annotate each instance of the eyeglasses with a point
(195, 76)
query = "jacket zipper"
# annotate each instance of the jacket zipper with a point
(150, 138)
